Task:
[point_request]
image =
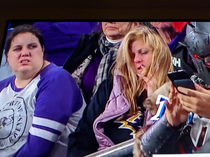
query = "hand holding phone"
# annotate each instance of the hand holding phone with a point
(181, 79)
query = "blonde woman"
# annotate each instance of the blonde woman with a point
(116, 112)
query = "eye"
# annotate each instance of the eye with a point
(17, 48)
(32, 46)
(144, 51)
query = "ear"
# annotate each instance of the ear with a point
(6, 59)
(43, 49)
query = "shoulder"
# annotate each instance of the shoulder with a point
(4, 83)
(55, 74)
(53, 71)
(94, 36)
(88, 41)
(118, 79)
(87, 45)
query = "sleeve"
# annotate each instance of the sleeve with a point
(57, 98)
(83, 141)
(160, 138)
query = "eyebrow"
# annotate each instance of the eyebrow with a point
(15, 45)
(142, 50)
(32, 43)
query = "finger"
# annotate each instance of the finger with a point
(168, 106)
(201, 89)
(183, 90)
(185, 98)
(171, 84)
(170, 97)
(190, 92)
(187, 109)
(189, 105)
(172, 90)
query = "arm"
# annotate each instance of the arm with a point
(57, 97)
(83, 141)
(163, 136)
(160, 138)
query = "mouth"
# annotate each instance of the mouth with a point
(140, 67)
(24, 61)
(110, 27)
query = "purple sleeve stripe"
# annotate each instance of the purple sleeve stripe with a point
(48, 123)
(43, 134)
(47, 129)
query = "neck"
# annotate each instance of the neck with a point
(23, 80)
(167, 34)
(21, 83)
(113, 41)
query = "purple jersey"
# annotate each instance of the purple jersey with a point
(39, 117)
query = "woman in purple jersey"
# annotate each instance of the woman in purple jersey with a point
(40, 105)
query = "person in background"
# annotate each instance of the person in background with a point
(185, 126)
(173, 33)
(116, 111)
(173, 134)
(5, 69)
(40, 105)
(61, 38)
(94, 58)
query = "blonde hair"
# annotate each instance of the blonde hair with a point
(161, 63)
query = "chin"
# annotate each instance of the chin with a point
(139, 72)
(25, 70)
(111, 34)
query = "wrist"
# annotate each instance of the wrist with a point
(172, 124)
(172, 121)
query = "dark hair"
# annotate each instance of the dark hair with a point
(23, 29)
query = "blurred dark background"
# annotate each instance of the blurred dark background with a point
(102, 10)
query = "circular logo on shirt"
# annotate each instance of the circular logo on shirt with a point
(13, 118)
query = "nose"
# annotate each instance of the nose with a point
(137, 58)
(111, 22)
(25, 52)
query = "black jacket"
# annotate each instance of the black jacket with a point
(87, 45)
(181, 57)
(83, 141)
(162, 138)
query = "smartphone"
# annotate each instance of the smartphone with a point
(181, 79)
